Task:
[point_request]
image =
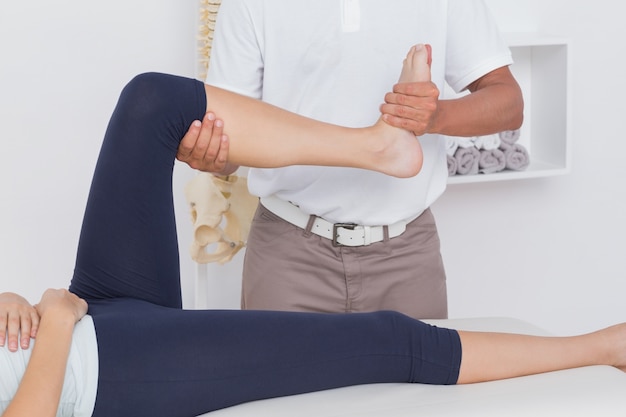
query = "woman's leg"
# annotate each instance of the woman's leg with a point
(265, 136)
(128, 245)
(214, 359)
(184, 363)
(493, 356)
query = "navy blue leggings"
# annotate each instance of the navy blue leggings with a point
(156, 359)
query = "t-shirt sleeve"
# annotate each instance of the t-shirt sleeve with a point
(236, 61)
(475, 45)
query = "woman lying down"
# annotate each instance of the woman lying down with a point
(137, 353)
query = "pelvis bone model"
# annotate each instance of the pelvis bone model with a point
(212, 201)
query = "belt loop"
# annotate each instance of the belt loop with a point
(309, 226)
(385, 233)
(367, 235)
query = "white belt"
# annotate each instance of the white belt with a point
(341, 234)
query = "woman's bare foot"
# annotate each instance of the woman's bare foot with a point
(416, 66)
(398, 151)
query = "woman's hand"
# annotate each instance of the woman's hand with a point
(17, 316)
(63, 302)
(40, 388)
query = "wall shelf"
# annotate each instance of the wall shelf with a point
(541, 68)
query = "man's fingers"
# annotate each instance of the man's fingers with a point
(203, 142)
(417, 127)
(188, 141)
(214, 146)
(222, 157)
(203, 147)
(421, 89)
(204, 138)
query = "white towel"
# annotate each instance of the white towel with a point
(467, 160)
(491, 161)
(488, 142)
(465, 142)
(451, 145)
(517, 158)
(510, 136)
(452, 165)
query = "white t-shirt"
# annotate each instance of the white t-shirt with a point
(334, 60)
(81, 375)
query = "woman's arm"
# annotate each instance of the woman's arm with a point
(39, 392)
(262, 135)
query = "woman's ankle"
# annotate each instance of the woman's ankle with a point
(394, 151)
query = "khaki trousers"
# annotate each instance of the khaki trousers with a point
(288, 268)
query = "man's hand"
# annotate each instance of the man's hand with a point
(411, 106)
(495, 105)
(205, 147)
(17, 316)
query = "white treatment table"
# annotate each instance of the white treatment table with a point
(591, 391)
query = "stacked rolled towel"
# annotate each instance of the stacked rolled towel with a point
(452, 165)
(493, 160)
(516, 157)
(467, 160)
(487, 143)
(452, 144)
(509, 137)
(486, 154)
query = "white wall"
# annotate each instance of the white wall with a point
(551, 250)
(62, 67)
(546, 250)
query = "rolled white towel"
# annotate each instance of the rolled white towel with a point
(451, 145)
(465, 142)
(452, 165)
(510, 136)
(517, 158)
(491, 161)
(488, 142)
(467, 160)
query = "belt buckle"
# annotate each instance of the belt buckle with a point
(349, 226)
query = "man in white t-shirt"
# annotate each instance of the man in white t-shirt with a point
(342, 239)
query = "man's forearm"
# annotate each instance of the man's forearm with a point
(492, 109)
